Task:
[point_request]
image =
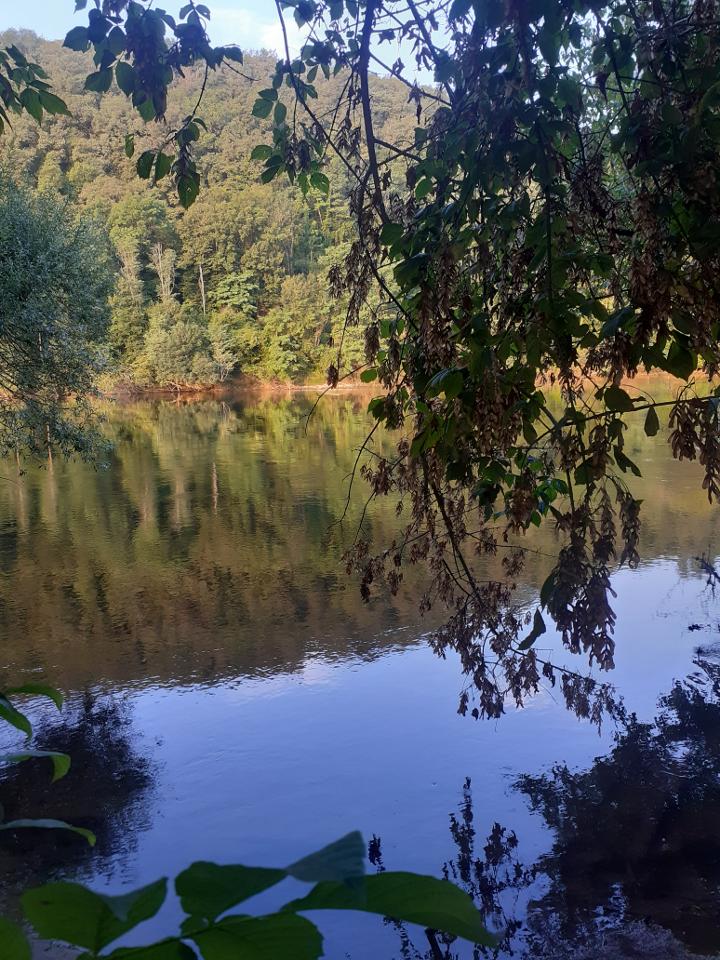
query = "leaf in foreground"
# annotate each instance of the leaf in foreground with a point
(76, 915)
(427, 901)
(47, 824)
(13, 945)
(275, 937)
(209, 889)
(341, 860)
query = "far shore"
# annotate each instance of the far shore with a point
(129, 391)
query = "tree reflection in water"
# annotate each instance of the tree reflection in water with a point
(106, 790)
(634, 867)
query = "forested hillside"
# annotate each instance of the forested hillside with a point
(237, 284)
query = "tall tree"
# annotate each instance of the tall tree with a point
(55, 281)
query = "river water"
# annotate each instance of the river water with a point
(231, 698)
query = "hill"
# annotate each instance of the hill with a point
(236, 285)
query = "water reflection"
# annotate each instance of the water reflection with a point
(106, 790)
(198, 582)
(634, 866)
(210, 546)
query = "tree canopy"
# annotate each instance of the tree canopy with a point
(55, 283)
(552, 217)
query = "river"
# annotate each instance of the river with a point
(230, 696)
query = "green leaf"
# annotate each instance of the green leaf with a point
(652, 423)
(13, 942)
(209, 889)
(163, 163)
(320, 182)
(165, 950)
(261, 152)
(188, 188)
(53, 104)
(99, 82)
(14, 717)
(39, 690)
(279, 113)
(423, 188)
(145, 164)
(76, 915)
(681, 362)
(60, 761)
(77, 39)
(430, 902)
(261, 108)
(125, 77)
(129, 144)
(391, 233)
(341, 860)
(367, 376)
(275, 937)
(538, 629)
(146, 109)
(46, 824)
(617, 399)
(30, 99)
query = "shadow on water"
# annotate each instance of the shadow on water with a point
(106, 790)
(634, 866)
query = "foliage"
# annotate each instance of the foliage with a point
(24, 87)
(10, 714)
(72, 913)
(55, 282)
(176, 349)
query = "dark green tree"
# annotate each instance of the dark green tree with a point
(55, 280)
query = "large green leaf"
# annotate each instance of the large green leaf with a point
(39, 690)
(60, 761)
(341, 860)
(427, 901)
(47, 824)
(14, 717)
(13, 945)
(165, 950)
(209, 889)
(275, 937)
(76, 915)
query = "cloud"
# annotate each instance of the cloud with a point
(252, 32)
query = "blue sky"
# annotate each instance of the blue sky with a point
(250, 23)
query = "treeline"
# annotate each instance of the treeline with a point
(237, 284)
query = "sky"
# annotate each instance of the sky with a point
(252, 24)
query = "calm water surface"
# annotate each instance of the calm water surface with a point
(231, 698)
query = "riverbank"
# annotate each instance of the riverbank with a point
(116, 390)
(126, 391)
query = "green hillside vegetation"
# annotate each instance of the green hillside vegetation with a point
(235, 286)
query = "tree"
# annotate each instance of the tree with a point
(176, 350)
(55, 281)
(552, 218)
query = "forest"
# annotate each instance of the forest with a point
(237, 285)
